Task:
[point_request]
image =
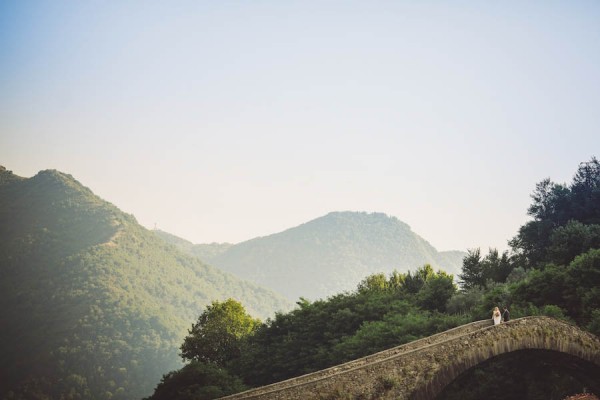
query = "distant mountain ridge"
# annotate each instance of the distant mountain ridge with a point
(94, 305)
(330, 254)
(206, 252)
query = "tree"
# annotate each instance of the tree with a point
(414, 282)
(479, 272)
(583, 279)
(436, 292)
(396, 280)
(373, 282)
(572, 239)
(472, 271)
(548, 286)
(532, 241)
(555, 206)
(574, 288)
(550, 209)
(217, 335)
(550, 202)
(497, 268)
(585, 192)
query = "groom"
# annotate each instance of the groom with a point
(505, 314)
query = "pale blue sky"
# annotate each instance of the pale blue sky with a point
(227, 120)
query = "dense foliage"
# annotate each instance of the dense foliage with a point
(93, 305)
(553, 269)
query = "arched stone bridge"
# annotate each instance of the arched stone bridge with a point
(423, 368)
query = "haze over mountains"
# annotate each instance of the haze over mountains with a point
(327, 255)
(94, 306)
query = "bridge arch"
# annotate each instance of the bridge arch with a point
(522, 371)
(541, 334)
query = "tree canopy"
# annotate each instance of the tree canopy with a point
(216, 336)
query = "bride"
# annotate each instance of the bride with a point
(496, 316)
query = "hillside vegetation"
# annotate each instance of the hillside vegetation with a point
(340, 248)
(94, 306)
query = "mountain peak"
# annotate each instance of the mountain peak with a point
(360, 214)
(332, 253)
(57, 177)
(363, 216)
(7, 176)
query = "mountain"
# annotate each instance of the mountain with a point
(332, 254)
(94, 306)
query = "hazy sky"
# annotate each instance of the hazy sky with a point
(227, 120)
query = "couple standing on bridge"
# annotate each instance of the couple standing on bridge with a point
(498, 318)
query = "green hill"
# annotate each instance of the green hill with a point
(94, 306)
(332, 254)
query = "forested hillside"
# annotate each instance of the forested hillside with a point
(205, 252)
(552, 269)
(330, 254)
(94, 306)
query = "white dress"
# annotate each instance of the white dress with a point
(497, 318)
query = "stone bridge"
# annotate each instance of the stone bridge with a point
(423, 368)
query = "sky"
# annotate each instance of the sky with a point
(221, 121)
